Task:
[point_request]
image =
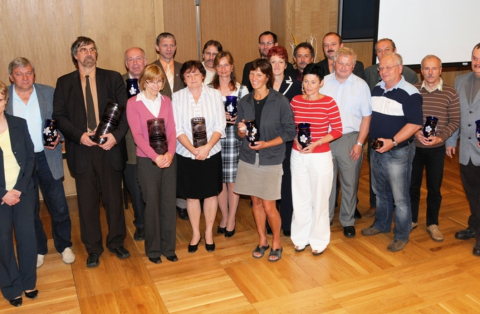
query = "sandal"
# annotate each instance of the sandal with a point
(275, 253)
(298, 249)
(261, 250)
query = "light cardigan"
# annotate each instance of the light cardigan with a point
(137, 116)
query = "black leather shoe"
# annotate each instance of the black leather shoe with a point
(93, 260)
(155, 260)
(139, 234)
(357, 214)
(287, 233)
(194, 248)
(209, 247)
(476, 251)
(182, 213)
(221, 230)
(120, 251)
(349, 231)
(16, 302)
(32, 294)
(465, 234)
(172, 258)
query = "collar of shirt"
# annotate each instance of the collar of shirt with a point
(439, 86)
(400, 83)
(166, 64)
(33, 96)
(349, 79)
(91, 74)
(142, 97)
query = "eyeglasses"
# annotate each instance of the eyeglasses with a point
(388, 69)
(268, 43)
(159, 82)
(84, 50)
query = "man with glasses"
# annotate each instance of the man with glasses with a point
(79, 102)
(382, 47)
(396, 116)
(210, 51)
(266, 40)
(352, 96)
(331, 43)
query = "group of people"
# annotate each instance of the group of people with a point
(208, 156)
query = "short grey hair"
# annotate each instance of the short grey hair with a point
(431, 57)
(396, 56)
(345, 52)
(143, 52)
(19, 62)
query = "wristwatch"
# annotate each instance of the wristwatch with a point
(394, 142)
(359, 144)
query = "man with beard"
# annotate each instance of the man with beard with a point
(468, 88)
(331, 43)
(79, 100)
(210, 51)
(303, 55)
(266, 40)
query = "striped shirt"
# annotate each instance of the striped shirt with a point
(321, 114)
(209, 106)
(443, 104)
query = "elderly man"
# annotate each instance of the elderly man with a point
(441, 101)
(396, 116)
(34, 103)
(468, 88)
(79, 101)
(210, 51)
(372, 74)
(266, 40)
(303, 55)
(166, 46)
(352, 96)
(331, 43)
(135, 62)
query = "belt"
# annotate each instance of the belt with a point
(403, 144)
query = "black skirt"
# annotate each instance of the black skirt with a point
(197, 179)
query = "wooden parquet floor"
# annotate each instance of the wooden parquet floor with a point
(356, 275)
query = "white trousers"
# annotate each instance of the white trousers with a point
(312, 176)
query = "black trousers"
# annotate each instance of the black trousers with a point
(100, 177)
(133, 187)
(286, 204)
(433, 160)
(471, 181)
(17, 277)
(159, 193)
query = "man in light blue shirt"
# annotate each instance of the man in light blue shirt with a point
(352, 96)
(34, 103)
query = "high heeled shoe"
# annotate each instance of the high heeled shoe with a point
(209, 247)
(221, 230)
(194, 248)
(229, 234)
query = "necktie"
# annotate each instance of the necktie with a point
(92, 121)
(169, 74)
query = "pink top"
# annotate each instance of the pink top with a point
(321, 114)
(137, 116)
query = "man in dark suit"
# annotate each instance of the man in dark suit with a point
(303, 55)
(166, 46)
(79, 101)
(266, 40)
(468, 88)
(331, 43)
(34, 103)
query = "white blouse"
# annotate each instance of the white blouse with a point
(209, 106)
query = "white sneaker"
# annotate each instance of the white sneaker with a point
(40, 258)
(68, 256)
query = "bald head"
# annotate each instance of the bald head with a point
(135, 61)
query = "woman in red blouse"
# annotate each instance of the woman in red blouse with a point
(312, 167)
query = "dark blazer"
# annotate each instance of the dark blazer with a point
(69, 111)
(358, 70)
(290, 87)
(246, 73)
(45, 101)
(22, 148)
(177, 82)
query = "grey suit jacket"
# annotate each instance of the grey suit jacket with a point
(469, 113)
(45, 101)
(177, 82)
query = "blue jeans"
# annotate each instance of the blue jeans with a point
(391, 176)
(54, 196)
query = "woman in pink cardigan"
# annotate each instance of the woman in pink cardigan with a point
(156, 163)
